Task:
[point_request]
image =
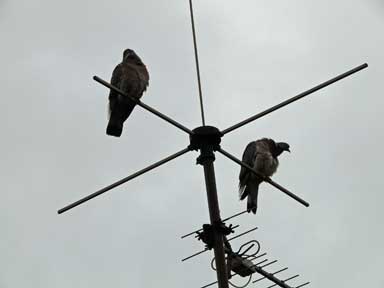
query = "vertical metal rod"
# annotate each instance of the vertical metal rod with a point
(197, 62)
(207, 158)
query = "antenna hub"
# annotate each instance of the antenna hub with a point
(204, 137)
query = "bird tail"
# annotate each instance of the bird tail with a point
(253, 191)
(114, 128)
(117, 118)
(242, 192)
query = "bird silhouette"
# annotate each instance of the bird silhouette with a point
(130, 76)
(262, 156)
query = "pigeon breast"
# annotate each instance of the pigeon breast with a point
(265, 164)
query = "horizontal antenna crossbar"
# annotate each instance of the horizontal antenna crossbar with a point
(143, 105)
(126, 179)
(295, 98)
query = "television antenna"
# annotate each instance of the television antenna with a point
(207, 140)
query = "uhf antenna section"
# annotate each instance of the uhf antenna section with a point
(206, 140)
(245, 262)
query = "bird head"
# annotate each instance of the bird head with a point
(281, 147)
(130, 55)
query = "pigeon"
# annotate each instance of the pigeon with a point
(130, 76)
(261, 155)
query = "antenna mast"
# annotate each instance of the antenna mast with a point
(207, 140)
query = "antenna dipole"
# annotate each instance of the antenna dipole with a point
(207, 140)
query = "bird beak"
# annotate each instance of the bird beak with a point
(288, 150)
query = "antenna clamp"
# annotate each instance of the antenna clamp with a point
(206, 139)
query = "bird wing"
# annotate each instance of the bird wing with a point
(248, 158)
(143, 75)
(250, 153)
(116, 80)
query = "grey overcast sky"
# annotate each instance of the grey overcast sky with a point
(253, 55)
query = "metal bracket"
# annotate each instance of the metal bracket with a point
(207, 236)
(206, 139)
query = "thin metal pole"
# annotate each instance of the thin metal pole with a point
(271, 277)
(302, 285)
(197, 62)
(270, 263)
(193, 255)
(191, 233)
(143, 105)
(286, 280)
(256, 257)
(233, 216)
(295, 98)
(210, 284)
(261, 262)
(266, 179)
(130, 177)
(287, 192)
(242, 234)
(214, 214)
(274, 273)
(198, 253)
(246, 250)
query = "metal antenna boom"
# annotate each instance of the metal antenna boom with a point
(214, 213)
(207, 139)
